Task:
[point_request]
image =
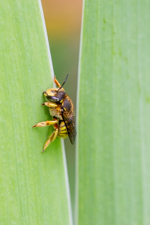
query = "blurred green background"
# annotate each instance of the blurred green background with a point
(63, 23)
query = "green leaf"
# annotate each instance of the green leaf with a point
(33, 185)
(113, 142)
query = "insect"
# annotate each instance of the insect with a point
(62, 111)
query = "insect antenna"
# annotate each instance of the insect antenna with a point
(63, 83)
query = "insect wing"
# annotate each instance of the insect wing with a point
(70, 125)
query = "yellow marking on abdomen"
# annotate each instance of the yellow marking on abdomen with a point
(63, 130)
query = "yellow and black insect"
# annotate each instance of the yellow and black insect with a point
(62, 110)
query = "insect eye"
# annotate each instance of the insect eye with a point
(57, 97)
(52, 98)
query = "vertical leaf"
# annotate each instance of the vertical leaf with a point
(33, 186)
(113, 146)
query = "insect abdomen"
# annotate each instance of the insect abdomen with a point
(62, 130)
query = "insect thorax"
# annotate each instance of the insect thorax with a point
(67, 104)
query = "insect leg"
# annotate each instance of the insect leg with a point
(46, 123)
(51, 138)
(56, 82)
(50, 104)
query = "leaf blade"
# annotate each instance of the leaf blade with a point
(34, 188)
(113, 133)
